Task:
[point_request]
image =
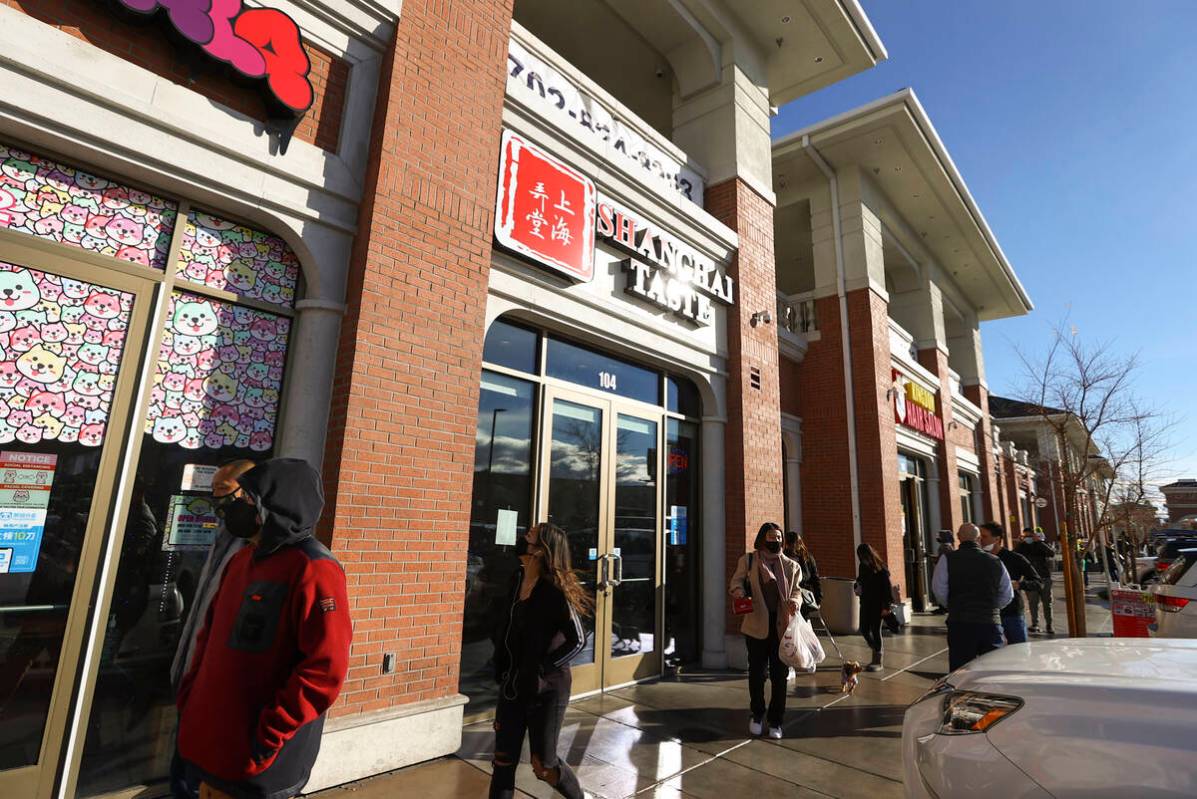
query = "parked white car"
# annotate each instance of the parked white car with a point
(1176, 599)
(1063, 718)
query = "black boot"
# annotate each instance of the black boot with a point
(875, 663)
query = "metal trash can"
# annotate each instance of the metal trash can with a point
(840, 608)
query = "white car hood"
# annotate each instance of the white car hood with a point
(1102, 717)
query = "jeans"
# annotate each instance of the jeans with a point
(1042, 594)
(540, 719)
(1015, 628)
(870, 629)
(764, 656)
(968, 640)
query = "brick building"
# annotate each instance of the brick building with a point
(1180, 499)
(484, 272)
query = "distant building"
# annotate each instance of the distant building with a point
(1180, 499)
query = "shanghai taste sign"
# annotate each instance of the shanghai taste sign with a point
(257, 42)
(914, 407)
(664, 270)
(545, 210)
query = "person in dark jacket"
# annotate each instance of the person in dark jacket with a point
(1023, 577)
(1042, 557)
(812, 590)
(224, 546)
(876, 594)
(540, 635)
(274, 648)
(974, 586)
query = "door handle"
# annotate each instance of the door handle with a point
(604, 573)
(618, 579)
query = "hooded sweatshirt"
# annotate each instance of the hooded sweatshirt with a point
(274, 648)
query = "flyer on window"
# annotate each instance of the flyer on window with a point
(26, 479)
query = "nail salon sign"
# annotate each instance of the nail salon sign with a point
(261, 43)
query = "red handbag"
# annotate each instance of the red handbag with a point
(742, 606)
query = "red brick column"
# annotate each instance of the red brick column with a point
(401, 431)
(754, 469)
(991, 506)
(826, 477)
(936, 361)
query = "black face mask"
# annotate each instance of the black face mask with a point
(773, 546)
(241, 519)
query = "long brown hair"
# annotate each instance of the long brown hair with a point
(869, 558)
(795, 544)
(558, 570)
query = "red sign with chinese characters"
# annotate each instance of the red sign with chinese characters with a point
(545, 210)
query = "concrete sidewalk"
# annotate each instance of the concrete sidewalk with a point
(688, 737)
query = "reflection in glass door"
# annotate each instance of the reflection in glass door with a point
(633, 552)
(65, 388)
(575, 504)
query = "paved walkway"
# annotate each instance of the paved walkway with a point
(688, 737)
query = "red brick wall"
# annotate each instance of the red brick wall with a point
(754, 484)
(936, 361)
(152, 47)
(401, 429)
(826, 501)
(826, 476)
(990, 491)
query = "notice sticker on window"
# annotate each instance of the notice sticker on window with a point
(5, 559)
(25, 482)
(190, 524)
(505, 521)
(197, 477)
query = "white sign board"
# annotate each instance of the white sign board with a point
(197, 477)
(505, 522)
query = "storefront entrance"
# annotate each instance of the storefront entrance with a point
(65, 431)
(606, 449)
(602, 464)
(917, 544)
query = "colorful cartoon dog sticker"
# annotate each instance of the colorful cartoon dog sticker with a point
(60, 346)
(218, 375)
(67, 205)
(224, 255)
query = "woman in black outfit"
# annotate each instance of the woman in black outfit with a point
(541, 633)
(876, 595)
(812, 590)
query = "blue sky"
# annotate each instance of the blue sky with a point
(1074, 124)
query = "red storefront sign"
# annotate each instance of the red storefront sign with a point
(914, 407)
(545, 210)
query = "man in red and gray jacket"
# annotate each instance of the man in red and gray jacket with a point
(274, 649)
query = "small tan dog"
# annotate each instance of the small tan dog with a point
(849, 678)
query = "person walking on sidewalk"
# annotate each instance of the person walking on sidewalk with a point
(274, 649)
(974, 586)
(812, 590)
(876, 599)
(1041, 556)
(774, 583)
(540, 635)
(1022, 577)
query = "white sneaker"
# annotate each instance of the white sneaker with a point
(754, 727)
(775, 733)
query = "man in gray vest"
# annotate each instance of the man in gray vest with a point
(974, 586)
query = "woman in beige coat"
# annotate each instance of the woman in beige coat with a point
(773, 580)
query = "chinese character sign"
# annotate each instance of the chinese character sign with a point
(545, 210)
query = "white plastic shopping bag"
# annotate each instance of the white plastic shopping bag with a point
(800, 647)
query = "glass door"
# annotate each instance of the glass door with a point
(71, 338)
(601, 484)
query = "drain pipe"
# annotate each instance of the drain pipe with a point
(841, 291)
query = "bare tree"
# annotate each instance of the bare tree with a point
(1107, 442)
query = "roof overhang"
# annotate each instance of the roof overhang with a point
(894, 143)
(809, 44)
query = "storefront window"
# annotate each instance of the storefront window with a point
(681, 542)
(214, 399)
(500, 512)
(603, 372)
(63, 346)
(682, 397)
(967, 511)
(512, 346)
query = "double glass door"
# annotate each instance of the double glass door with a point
(601, 483)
